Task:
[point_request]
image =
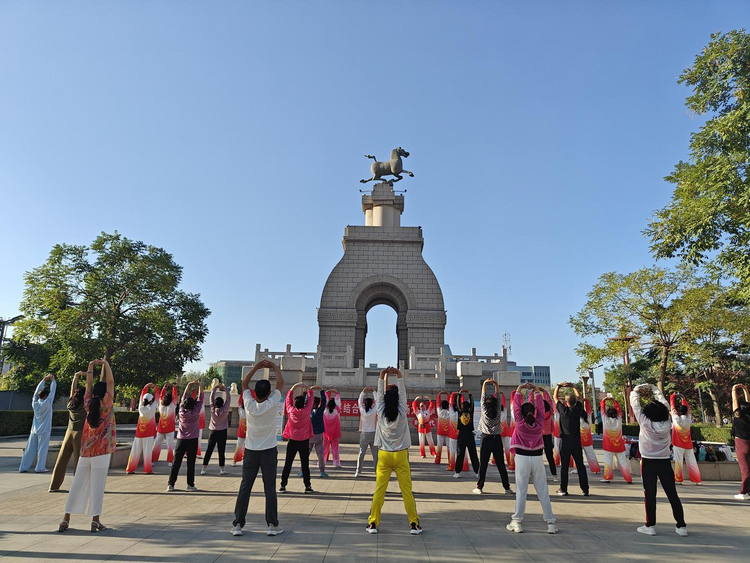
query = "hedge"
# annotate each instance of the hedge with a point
(698, 433)
(15, 423)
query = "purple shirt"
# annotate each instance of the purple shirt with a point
(190, 421)
(219, 417)
(527, 437)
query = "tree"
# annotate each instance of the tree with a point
(708, 219)
(644, 369)
(644, 304)
(117, 299)
(718, 329)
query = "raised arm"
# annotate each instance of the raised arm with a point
(659, 396)
(635, 400)
(212, 398)
(108, 377)
(735, 399)
(249, 375)
(672, 405)
(74, 383)
(555, 393)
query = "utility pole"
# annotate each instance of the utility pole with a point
(594, 403)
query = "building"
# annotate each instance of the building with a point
(230, 371)
(538, 375)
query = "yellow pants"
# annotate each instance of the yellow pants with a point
(387, 463)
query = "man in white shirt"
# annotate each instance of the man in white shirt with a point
(261, 452)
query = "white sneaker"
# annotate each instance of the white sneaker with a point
(169, 464)
(356, 474)
(222, 472)
(274, 530)
(648, 530)
(203, 470)
(574, 472)
(742, 496)
(681, 532)
(237, 530)
(477, 491)
(456, 475)
(514, 526)
(555, 479)
(191, 489)
(551, 529)
(604, 481)
(170, 488)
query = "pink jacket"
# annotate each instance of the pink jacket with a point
(527, 437)
(332, 420)
(298, 424)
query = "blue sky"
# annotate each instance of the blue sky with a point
(232, 134)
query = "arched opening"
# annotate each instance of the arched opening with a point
(381, 339)
(381, 293)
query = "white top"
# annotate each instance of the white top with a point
(42, 422)
(261, 421)
(654, 438)
(367, 420)
(147, 411)
(392, 436)
(165, 411)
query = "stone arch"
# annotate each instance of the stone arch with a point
(381, 290)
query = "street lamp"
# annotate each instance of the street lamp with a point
(594, 405)
(3, 324)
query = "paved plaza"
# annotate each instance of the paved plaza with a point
(146, 524)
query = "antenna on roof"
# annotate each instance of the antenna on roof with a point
(506, 342)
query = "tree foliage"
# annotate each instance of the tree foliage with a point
(644, 305)
(117, 299)
(708, 219)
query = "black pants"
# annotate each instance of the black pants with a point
(182, 447)
(651, 469)
(466, 442)
(492, 445)
(293, 447)
(571, 447)
(267, 462)
(217, 438)
(549, 451)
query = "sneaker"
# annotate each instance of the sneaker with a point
(416, 529)
(203, 470)
(191, 489)
(424, 456)
(551, 529)
(574, 472)
(324, 475)
(222, 472)
(509, 492)
(456, 475)
(681, 532)
(170, 488)
(648, 530)
(604, 481)
(356, 474)
(586, 494)
(274, 530)
(742, 496)
(515, 527)
(477, 491)
(308, 490)
(555, 479)
(299, 473)
(282, 489)
(562, 493)
(169, 464)
(237, 530)
(372, 528)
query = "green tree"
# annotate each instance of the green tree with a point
(708, 219)
(117, 299)
(718, 329)
(644, 304)
(644, 369)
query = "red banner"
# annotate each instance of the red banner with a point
(351, 408)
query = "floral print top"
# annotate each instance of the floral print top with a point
(100, 440)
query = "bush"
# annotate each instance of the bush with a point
(16, 423)
(698, 433)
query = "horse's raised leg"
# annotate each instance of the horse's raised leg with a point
(363, 181)
(396, 179)
(411, 174)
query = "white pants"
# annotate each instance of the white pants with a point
(37, 446)
(530, 469)
(685, 459)
(88, 485)
(622, 463)
(169, 437)
(591, 458)
(140, 446)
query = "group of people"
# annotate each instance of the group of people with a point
(558, 428)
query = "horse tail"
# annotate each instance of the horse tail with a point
(370, 156)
